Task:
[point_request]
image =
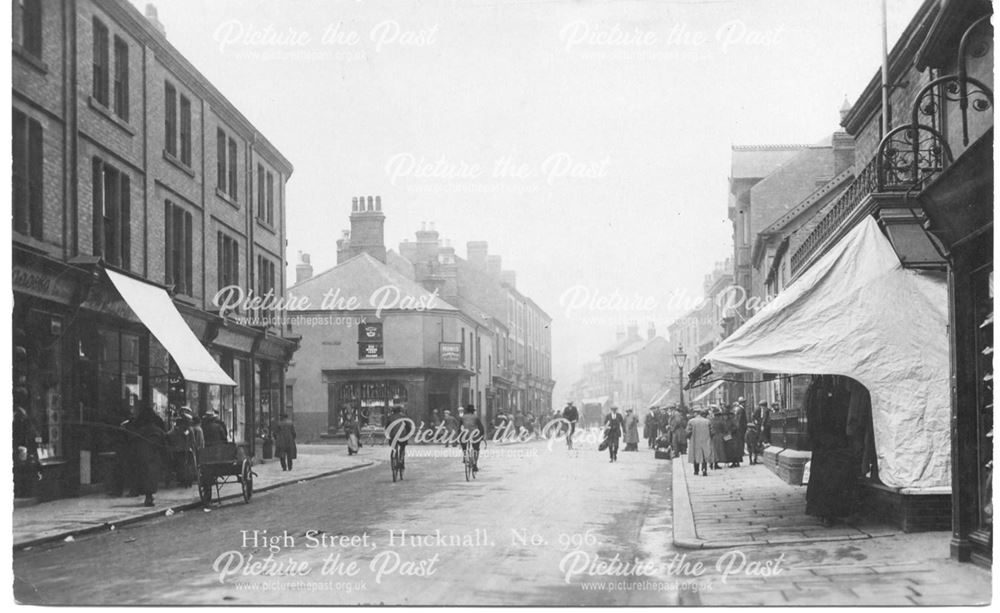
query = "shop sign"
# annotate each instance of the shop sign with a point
(450, 353)
(42, 284)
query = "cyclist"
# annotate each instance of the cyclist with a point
(471, 430)
(398, 434)
(571, 415)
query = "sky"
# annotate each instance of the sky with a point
(588, 142)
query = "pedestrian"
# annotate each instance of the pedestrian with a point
(631, 431)
(733, 441)
(352, 431)
(831, 493)
(180, 439)
(149, 447)
(25, 448)
(752, 441)
(649, 428)
(699, 431)
(197, 434)
(450, 423)
(720, 430)
(678, 432)
(213, 429)
(614, 430)
(284, 441)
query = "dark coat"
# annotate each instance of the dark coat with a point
(149, 447)
(284, 438)
(214, 430)
(614, 426)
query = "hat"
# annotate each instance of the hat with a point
(762, 403)
(614, 408)
(741, 399)
(628, 410)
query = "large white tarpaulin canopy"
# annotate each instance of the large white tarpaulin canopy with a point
(858, 313)
(157, 312)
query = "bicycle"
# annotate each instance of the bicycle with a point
(396, 458)
(470, 459)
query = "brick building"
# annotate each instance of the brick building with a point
(138, 190)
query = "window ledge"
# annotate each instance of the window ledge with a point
(173, 159)
(185, 299)
(30, 59)
(266, 226)
(229, 200)
(109, 115)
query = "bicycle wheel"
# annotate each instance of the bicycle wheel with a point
(394, 463)
(402, 462)
(467, 460)
(475, 463)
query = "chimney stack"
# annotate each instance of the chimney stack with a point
(843, 152)
(477, 253)
(651, 331)
(368, 227)
(154, 19)
(303, 270)
(509, 277)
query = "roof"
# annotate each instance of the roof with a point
(360, 278)
(823, 190)
(756, 161)
(638, 345)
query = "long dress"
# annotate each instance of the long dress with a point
(734, 446)
(719, 431)
(833, 471)
(631, 433)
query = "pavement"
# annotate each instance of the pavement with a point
(71, 517)
(749, 531)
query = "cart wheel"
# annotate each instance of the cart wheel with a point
(205, 491)
(247, 481)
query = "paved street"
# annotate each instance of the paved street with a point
(570, 511)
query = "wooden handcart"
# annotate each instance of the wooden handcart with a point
(225, 463)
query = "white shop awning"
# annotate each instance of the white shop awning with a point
(711, 388)
(157, 312)
(858, 313)
(657, 398)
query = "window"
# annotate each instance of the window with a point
(232, 169)
(112, 215)
(100, 62)
(370, 341)
(265, 276)
(121, 79)
(185, 130)
(221, 182)
(170, 118)
(229, 261)
(265, 195)
(179, 249)
(31, 27)
(27, 175)
(270, 198)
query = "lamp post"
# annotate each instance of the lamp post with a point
(679, 358)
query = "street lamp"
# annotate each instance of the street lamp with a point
(679, 358)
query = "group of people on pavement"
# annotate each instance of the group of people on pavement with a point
(149, 453)
(727, 435)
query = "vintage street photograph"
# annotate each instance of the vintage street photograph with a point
(479, 303)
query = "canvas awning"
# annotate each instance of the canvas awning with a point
(657, 398)
(157, 312)
(858, 313)
(711, 388)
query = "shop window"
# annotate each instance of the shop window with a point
(37, 375)
(27, 175)
(370, 401)
(982, 289)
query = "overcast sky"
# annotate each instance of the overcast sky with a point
(587, 141)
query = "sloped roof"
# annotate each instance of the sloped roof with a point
(638, 345)
(757, 161)
(360, 278)
(831, 187)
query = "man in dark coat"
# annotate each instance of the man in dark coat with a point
(284, 442)
(149, 448)
(720, 430)
(572, 415)
(214, 429)
(614, 430)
